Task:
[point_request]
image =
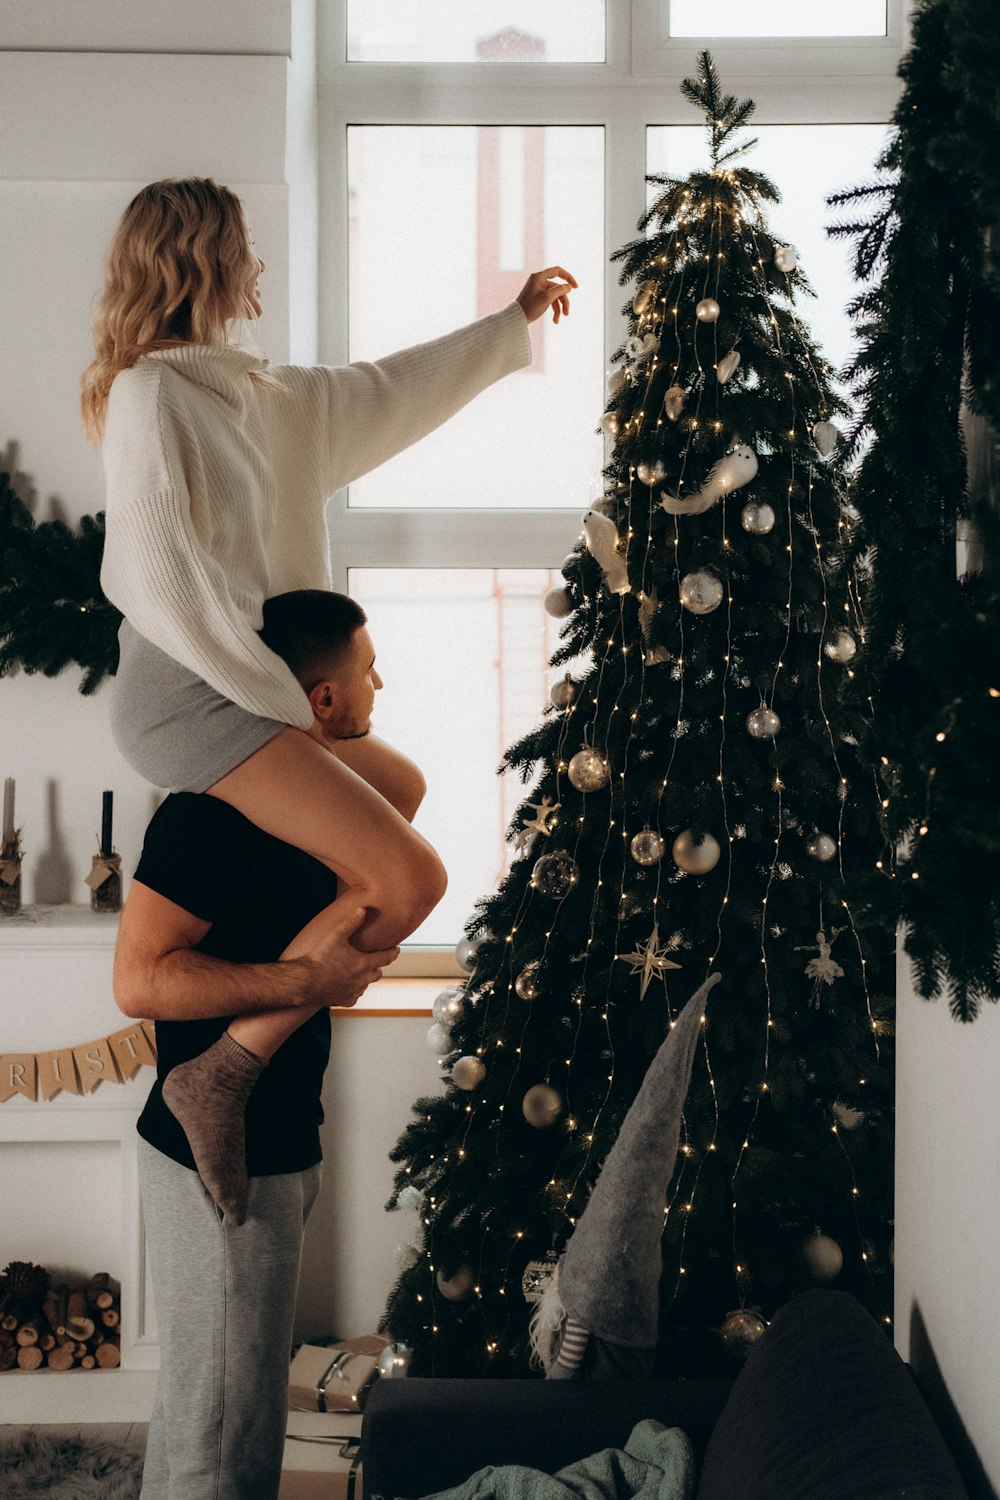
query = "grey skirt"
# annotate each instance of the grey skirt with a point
(171, 727)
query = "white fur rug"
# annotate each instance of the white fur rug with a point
(32, 1464)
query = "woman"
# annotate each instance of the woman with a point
(218, 468)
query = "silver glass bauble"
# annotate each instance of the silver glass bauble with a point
(823, 1257)
(757, 519)
(439, 1039)
(588, 771)
(616, 380)
(763, 723)
(842, 647)
(446, 1007)
(458, 1285)
(647, 847)
(542, 1106)
(563, 694)
(821, 846)
(707, 310)
(558, 603)
(526, 984)
(693, 855)
(468, 1073)
(785, 258)
(609, 424)
(701, 592)
(555, 874)
(653, 473)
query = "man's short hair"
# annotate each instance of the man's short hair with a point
(310, 629)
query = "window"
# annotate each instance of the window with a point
(465, 143)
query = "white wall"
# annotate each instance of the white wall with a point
(948, 1220)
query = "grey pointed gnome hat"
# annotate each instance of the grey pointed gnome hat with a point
(610, 1273)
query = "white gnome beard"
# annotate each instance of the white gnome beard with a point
(545, 1329)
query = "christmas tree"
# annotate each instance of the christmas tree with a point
(698, 805)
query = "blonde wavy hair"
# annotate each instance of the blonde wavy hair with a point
(179, 267)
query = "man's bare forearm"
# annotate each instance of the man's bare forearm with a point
(185, 985)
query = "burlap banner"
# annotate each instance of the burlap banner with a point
(78, 1070)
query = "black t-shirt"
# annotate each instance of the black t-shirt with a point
(257, 892)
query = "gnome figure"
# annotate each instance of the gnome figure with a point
(599, 1317)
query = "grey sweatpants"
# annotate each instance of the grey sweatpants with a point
(225, 1302)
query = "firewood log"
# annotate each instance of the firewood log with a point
(102, 1292)
(109, 1355)
(8, 1323)
(111, 1317)
(29, 1332)
(61, 1358)
(79, 1350)
(30, 1357)
(47, 1342)
(88, 1362)
(77, 1322)
(8, 1356)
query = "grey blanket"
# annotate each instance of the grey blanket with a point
(656, 1464)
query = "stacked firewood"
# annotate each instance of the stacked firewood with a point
(50, 1327)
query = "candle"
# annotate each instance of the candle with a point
(8, 810)
(107, 847)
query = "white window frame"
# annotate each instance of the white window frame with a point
(793, 81)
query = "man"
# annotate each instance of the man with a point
(223, 921)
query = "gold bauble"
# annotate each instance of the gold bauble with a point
(696, 856)
(542, 1106)
(707, 310)
(468, 1073)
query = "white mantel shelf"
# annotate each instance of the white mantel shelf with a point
(39, 927)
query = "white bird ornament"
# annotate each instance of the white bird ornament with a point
(602, 543)
(732, 472)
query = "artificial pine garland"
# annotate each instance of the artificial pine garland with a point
(928, 325)
(52, 610)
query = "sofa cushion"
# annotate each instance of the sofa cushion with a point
(421, 1435)
(824, 1409)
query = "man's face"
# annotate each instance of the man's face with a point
(354, 685)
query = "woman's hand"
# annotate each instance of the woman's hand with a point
(540, 292)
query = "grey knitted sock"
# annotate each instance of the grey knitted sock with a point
(208, 1095)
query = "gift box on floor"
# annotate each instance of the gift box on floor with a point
(322, 1457)
(335, 1377)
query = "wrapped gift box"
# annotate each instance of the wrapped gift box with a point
(322, 1457)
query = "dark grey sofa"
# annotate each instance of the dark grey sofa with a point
(823, 1409)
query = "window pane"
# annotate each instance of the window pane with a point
(777, 17)
(805, 162)
(464, 656)
(475, 31)
(446, 223)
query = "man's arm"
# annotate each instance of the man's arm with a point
(160, 976)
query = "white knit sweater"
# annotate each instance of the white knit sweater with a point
(217, 485)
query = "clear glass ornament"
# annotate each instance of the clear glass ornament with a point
(758, 519)
(693, 855)
(446, 1006)
(526, 985)
(647, 847)
(650, 473)
(542, 1106)
(555, 874)
(588, 771)
(701, 592)
(842, 647)
(394, 1361)
(741, 1329)
(821, 846)
(465, 951)
(763, 723)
